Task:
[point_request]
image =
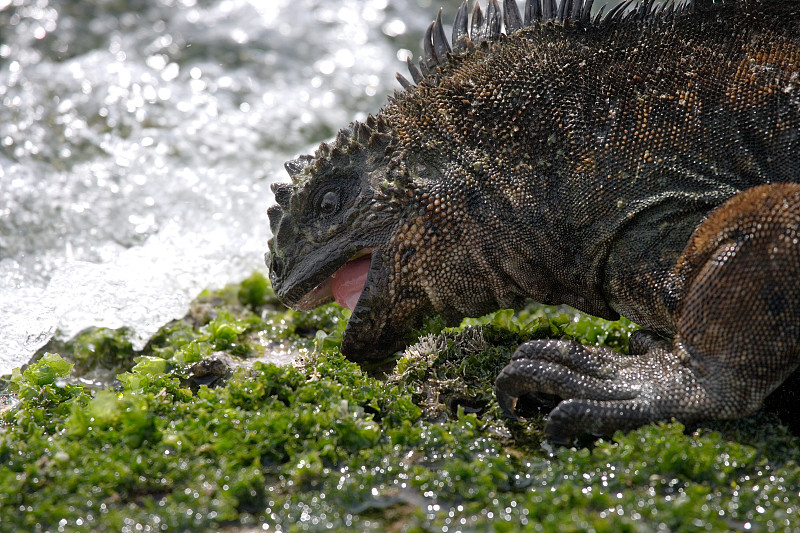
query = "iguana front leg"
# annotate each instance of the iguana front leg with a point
(738, 318)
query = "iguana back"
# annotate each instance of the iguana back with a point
(612, 141)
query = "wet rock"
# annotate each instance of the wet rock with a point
(212, 371)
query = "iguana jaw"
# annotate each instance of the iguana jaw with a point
(374, 330)
(324, 291)
(307, 283)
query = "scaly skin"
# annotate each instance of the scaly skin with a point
(643, 166)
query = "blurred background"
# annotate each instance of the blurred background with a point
(138, 140)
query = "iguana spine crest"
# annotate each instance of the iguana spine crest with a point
(486, 29)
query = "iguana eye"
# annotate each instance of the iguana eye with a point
(329, 203)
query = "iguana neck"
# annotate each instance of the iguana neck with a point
(502, 236)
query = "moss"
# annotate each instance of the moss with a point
(96, 348)
(322, 445)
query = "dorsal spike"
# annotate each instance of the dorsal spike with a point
(282, 192)
(533, 12)
(600, 14)
(616, 12)
(476, 27)
(423, 68)
(460, 31)
(487, 25)
(650, 8)
(639, 11)
(427, 46)
(575, 12)
(343, 137)
(378, 139)
(549, 10)
(586, 10)
(623, 12)
(440, 45)
(511, 16)
(494, 20)
(295, 166)
(404, 83)
(563, 8)
(416, 75)
(364, 132)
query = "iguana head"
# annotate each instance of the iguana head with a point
(377, 227)
(334, 229)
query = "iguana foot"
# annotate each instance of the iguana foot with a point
(604, 389)
(736, 301)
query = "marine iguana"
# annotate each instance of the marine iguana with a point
(644, 162)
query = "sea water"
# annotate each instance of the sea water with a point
(138, 140)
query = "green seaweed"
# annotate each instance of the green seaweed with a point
(96, 348)
(323, 445)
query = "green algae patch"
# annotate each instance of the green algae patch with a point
(95, 349)
(200, 432)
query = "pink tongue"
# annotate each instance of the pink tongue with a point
(348, 282)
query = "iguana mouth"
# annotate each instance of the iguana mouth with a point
(345, 285)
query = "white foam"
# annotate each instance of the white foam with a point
(137, 147)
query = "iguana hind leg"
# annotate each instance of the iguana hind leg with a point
(738, 319)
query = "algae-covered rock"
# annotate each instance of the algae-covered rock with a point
(197, 432)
